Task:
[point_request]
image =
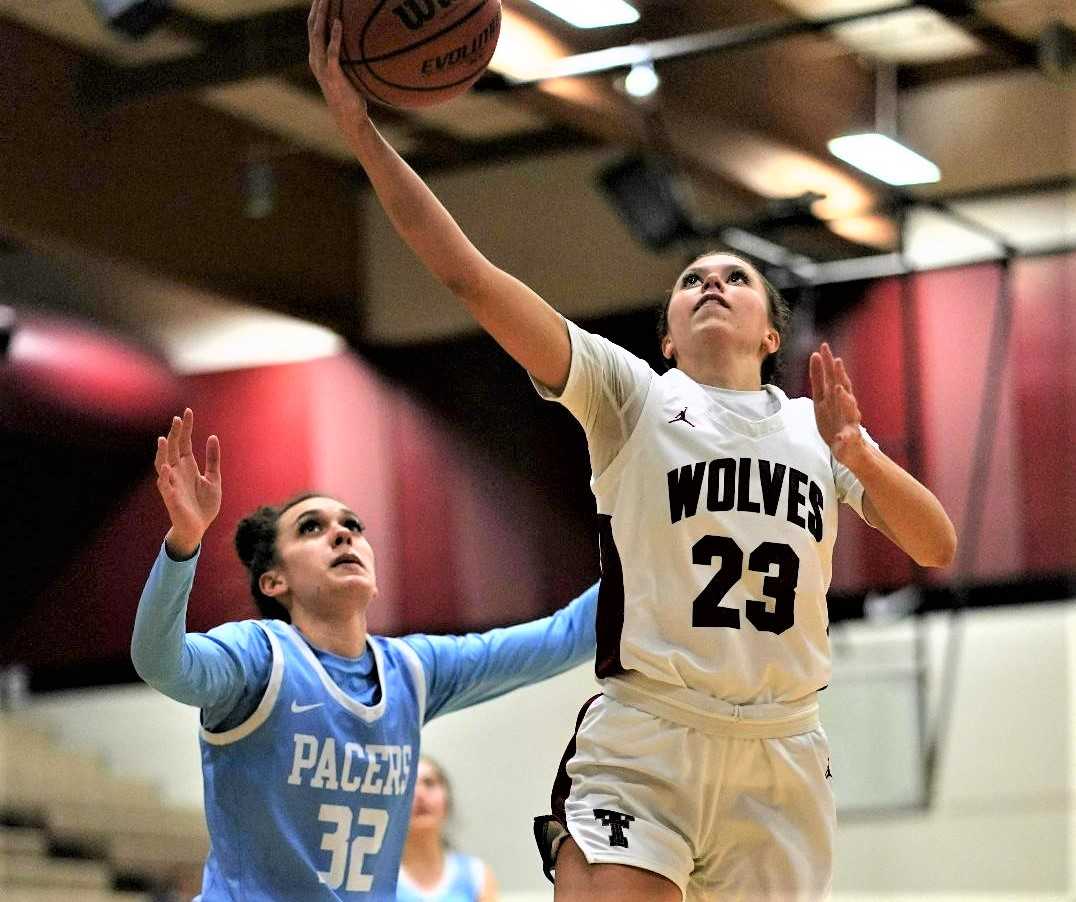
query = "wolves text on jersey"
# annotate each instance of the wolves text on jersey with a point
(373, 769)
(729, 485)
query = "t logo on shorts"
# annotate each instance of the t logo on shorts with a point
(617, 824)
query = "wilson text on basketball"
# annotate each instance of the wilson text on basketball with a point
(416, 13)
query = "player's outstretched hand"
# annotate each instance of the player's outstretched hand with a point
(324, 36)
(192, 499)
(835, 408)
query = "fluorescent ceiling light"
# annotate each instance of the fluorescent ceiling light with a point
(642, 80)
(885, 159)
(591, 13)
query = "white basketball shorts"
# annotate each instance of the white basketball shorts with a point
(720, 808)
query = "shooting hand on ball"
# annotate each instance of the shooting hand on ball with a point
(347, 105)
(192, 499)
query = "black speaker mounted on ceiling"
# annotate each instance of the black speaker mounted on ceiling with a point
(643, 190)
(134, 18)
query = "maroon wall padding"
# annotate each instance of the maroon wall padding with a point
(66, 380)
(956, 308)
(461, 543)
(458, 543)
(1043, 367)
(428, 520)
(1027, 527)
(869, 339)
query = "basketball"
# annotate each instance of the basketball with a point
(416, 53)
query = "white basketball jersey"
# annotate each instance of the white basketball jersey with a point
(717, 537)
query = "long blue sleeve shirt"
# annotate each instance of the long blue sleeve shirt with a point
(308, 757)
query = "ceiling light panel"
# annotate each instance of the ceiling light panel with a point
(591, 13)
(885, 159)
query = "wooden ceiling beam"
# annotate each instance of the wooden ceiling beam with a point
(264, 44)
(1015, 49)
(161, 184)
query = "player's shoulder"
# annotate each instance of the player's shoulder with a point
(605, 350)
(404, 653)
(800, 404)
(246, 635)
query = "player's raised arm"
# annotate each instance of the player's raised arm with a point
(191, 497)
(894, 501)
(531, 331)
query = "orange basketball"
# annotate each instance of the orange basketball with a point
(415, 53)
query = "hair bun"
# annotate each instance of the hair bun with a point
(246, 540)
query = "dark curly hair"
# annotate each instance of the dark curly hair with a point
(255, 543)
(780, 317)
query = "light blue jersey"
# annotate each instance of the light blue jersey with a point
(309, 758)
(313, 790)
(461, 881)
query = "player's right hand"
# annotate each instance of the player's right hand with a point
(347, 105)
(192, 499)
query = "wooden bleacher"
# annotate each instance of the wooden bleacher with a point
(70, 829)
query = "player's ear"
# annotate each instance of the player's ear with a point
(272, 583)
(667, 349)
(771, 341)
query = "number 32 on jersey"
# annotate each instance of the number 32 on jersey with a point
(347, 853)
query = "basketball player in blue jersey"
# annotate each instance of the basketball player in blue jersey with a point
(310, 726)
(701, 771)
(431, 871)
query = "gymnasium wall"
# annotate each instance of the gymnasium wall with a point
(459, 542)
(920, 356)
(1003, 825)
(487, 520)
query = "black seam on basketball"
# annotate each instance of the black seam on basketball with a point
(364, 87)
(443, 87)
(474, 76)
(401, 50)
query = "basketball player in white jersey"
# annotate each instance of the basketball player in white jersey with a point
(701, 770)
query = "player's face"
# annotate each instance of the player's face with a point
(430, 807)
(324, 556)
(719, 301)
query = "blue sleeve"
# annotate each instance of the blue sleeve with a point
(465, 670)
(224, 672)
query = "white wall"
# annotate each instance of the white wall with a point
(1003, 828)
(1004, 819)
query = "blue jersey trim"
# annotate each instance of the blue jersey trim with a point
(418, 675)
(265, 706)
(366, 713)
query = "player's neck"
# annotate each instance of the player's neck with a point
(424, 857)
(729, 371)
(344, 636)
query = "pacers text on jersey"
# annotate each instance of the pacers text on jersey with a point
(372, 769)
(783, 491)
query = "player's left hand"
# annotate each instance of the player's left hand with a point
(325, 34)
(835, 408)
